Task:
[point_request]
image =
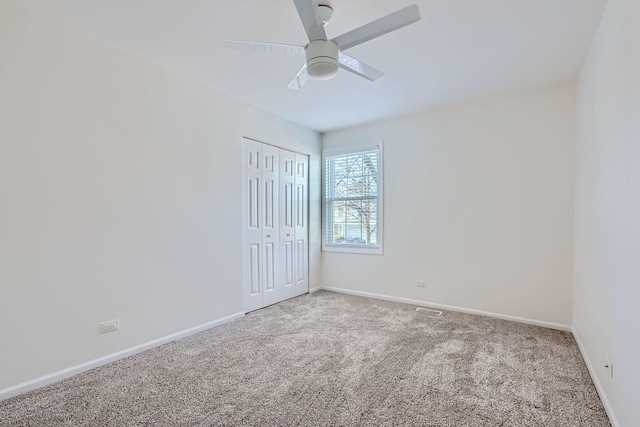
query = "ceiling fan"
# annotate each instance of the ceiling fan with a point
(325, 56)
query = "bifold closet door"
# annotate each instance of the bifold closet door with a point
(288, 222)
(301, 200)
(275, 240)
(253, 188)
(272, 286)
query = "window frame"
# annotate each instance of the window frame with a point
(355, 248)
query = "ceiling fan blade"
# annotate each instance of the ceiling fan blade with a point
(308, 11)
(350, 63)
(384, 25)
(300, 79)
(264, 47)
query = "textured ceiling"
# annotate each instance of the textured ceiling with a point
(460, 50)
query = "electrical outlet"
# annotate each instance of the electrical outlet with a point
(110, 326)
(421, 284)
(609, 365)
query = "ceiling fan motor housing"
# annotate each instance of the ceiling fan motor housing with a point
(322, 59)
(325, 11)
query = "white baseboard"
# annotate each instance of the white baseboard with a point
(74, 370)
(542, 323)
(596, 381)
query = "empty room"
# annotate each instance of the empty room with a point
(319, 213)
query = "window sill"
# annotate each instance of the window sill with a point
(353, 249)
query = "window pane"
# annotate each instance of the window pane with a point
(352, 175)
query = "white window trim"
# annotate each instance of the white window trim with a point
(355, 249)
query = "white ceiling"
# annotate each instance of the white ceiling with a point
(460, 50)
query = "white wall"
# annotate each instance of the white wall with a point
(607, 230)
(479, 203)
(120, 197)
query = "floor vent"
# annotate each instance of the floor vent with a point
(436, 312)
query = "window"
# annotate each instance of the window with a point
(353, 199)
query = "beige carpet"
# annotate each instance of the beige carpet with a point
(329, 359)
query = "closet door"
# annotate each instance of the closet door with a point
(270, 224)
(287, 223)
(301, 223)
(252, 250)
(275, 253)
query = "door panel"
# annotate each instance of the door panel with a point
(288, 204)
(301, 230)
(300, 200)
(287, 216)
(269, 268)
(288, 264)
(270, 228)
(253, 278)
(254, 269)
(300, 253)
(269, 205)
(254, 202)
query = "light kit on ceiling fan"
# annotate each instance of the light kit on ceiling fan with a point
(325, 56)
(322, 59)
